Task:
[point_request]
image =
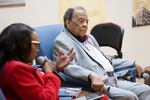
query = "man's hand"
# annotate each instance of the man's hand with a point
(97, 82)
(139, 69)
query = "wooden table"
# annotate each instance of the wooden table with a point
(83, 93)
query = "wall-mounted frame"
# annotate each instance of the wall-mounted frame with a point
(141, 13)
(10, 3)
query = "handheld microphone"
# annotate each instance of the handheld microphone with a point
(41, 61)
(145, 76)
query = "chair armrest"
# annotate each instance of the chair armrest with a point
(133, 70)
(73, 82)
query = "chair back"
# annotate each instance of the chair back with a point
(109, 34)
(47, 35)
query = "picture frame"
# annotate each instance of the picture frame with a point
(11, 3)
(141, 13)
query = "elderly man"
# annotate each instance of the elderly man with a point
(91, 64)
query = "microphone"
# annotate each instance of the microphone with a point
(145, 76)
(41, 61)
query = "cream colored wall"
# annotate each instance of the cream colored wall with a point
(136, 42)
(35, 13)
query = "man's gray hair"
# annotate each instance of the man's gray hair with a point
(69, 13)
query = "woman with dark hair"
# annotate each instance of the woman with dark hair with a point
(20, 81)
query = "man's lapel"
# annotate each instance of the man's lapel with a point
(81, 45)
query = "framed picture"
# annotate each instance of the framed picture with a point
(141, 13)
(9, 3)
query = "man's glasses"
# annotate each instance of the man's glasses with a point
(37, 43)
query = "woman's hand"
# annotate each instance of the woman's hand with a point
(63, 61)
(47, 65)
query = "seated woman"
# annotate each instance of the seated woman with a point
(20, 81)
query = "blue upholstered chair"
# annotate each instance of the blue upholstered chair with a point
(47, 35)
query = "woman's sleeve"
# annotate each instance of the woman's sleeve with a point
(29, 86)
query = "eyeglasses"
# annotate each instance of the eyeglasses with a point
(37, 43)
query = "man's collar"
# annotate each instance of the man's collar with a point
(80, 39)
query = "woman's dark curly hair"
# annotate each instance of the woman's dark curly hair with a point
(15, 43)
